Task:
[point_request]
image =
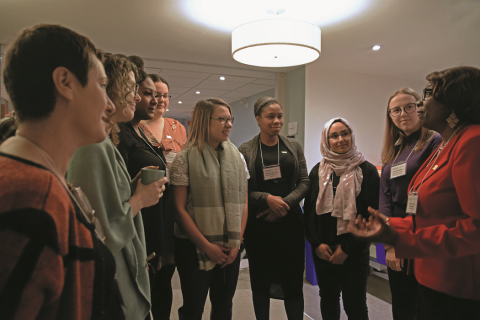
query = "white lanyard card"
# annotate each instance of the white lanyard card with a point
(398, 170)
(272, 172)
(412, 202)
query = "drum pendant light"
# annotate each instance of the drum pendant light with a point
(276, 43)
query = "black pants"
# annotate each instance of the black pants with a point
(404, 294)
(349, 279)
(196, 283)
(434, 305)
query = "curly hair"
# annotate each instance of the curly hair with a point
(119, 86)
(459, 90)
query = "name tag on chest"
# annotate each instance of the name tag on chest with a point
(398, 170)
(412, 203)
(272, 172)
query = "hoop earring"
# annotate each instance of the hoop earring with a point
(452, 120)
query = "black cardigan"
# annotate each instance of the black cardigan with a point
(315, 225)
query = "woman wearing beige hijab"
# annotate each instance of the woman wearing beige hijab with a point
(342, 186)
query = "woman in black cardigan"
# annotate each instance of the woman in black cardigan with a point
(275, 236)
(341, 262)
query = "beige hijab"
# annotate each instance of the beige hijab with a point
(346, 165)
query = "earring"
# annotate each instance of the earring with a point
(452, 120)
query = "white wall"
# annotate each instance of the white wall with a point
(359, 98)
(294, 109)
(245, 126)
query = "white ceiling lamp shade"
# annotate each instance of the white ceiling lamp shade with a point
(276, 43)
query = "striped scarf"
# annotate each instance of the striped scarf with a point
(218, 187)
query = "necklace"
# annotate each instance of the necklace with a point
(437, 154)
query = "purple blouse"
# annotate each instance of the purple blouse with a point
(394, 192)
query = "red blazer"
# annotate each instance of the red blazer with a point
(446, 244)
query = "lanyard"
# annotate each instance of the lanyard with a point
(144, 137)
(278, 156)
(408, 155)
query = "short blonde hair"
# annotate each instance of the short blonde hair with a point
(198, 132)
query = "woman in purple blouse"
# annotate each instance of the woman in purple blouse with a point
(406, 146)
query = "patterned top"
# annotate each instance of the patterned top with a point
(174, 135)
(53, 266)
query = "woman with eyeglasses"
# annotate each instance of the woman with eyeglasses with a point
(209, 188)
(138, 152)
(275, 237)
(54, 264)
(101, 172)
(442, 234)
(406, 146)
(169, 135)
(343, 185)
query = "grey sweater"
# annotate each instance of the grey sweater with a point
(299, 186)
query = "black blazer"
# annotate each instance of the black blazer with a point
(322, 228)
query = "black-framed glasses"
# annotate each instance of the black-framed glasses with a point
(409, 108)
(427, 93)
(345, 135)
(223, 120)
(164, 96)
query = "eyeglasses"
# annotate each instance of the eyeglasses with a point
(88, 211)
(427, 93)
(223, 120)
(409, 108)
(165, 97)
(344, 135)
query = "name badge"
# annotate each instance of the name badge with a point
(398, 170)
(272, 172)
(170, 156)
(169, 137)
(412, 202)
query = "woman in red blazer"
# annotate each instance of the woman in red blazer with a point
(443, 236)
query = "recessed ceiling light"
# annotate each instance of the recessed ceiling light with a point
(179, 102)
(376, 47)
(222, 78)
(198, 92)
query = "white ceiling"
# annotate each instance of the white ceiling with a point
(417, 37)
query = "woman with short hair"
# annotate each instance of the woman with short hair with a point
(442, 235)
(275, 238)
(54, 263)
(209, 189)
(343, 185)
(406, 146)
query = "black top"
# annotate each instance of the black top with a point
(157, 220)
(323, 228)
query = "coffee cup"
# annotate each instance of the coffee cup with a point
(151, 175)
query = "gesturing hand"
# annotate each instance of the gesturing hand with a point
(375, 229)
(324, 251)
(338, 257)
(277, 205)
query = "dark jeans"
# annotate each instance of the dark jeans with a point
(404, 294)
(434, 305)
(349, 279)
(196, 283)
